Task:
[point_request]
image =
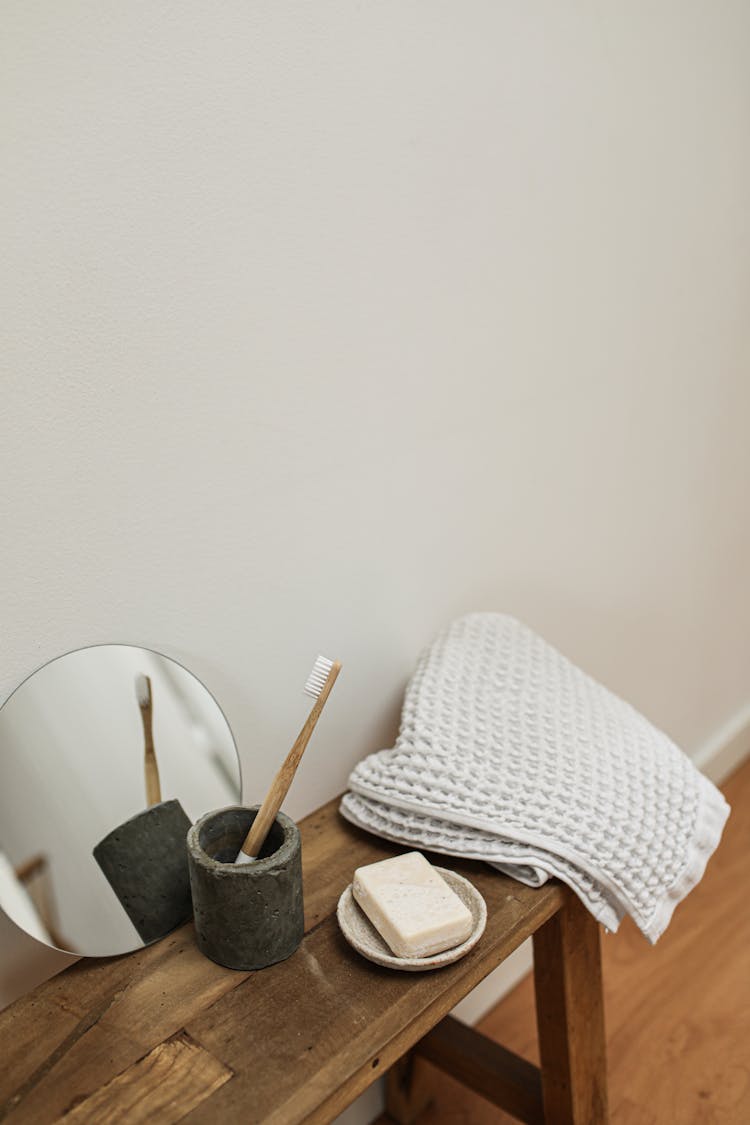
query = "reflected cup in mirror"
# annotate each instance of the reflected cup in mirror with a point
(145, 863)
(107, 756)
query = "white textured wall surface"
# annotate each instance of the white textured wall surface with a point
(324, 322)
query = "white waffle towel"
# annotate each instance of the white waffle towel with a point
(511, 754)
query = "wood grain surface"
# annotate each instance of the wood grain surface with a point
(300, 1039)
(162, 1086)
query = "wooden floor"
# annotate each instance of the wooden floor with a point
(678, 1013)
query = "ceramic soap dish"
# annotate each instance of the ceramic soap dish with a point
(362, 935)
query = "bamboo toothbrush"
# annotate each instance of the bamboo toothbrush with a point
(150, 768)
(319, 684)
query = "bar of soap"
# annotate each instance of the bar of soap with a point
(411, 905)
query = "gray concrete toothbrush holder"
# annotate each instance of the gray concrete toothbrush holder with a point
(251, 915)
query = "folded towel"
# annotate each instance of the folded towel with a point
(511, 754)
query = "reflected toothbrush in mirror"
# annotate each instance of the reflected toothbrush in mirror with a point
(150, 768)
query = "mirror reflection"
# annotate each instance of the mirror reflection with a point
(107, 755)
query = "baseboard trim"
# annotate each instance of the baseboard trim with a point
(727, 750)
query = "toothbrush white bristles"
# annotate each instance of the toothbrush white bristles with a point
(142, 691)
(316, 681)
(319, 684)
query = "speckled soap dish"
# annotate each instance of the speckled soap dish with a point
(362, 935)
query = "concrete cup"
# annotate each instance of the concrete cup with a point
(251, 915)
(145, 862)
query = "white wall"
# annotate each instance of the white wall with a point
(324, 322)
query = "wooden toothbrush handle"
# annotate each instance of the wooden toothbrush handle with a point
(151, 773)
(280, 786)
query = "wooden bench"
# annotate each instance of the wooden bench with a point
(164, 1035)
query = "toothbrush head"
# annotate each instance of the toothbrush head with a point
(318, 678)
(143, 690)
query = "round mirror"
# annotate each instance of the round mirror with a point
(107, 755)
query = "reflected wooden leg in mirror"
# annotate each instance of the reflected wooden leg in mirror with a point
(33, 875)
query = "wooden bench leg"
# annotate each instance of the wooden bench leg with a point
(499, 1075)
(570, 1017)
(479, 1063)
(407, 1092)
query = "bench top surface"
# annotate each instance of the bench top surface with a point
(165, 1034)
